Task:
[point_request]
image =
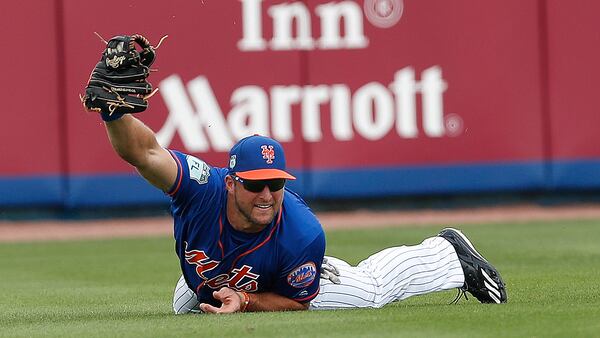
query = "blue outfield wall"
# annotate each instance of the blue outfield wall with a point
(112, 190)
(575, 175)
(24, 191)
(131, 190)
(427, 180)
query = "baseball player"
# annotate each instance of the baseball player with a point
(247, 243)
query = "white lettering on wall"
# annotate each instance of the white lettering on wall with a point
(252, 26)
(373, 111)
(331, 15)
(250, 112)
(282, 99)
(373, 124)
(295, 16)
(284, 16)
(404, 88)
(341, 120)
(192, 123)
(432, 88)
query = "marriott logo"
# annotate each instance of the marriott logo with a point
(372, 111)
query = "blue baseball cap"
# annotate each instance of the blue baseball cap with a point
(258, 158)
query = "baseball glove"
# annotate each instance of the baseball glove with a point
(118, 84)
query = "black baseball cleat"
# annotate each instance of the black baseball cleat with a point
(482, 280)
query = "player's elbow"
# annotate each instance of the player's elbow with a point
(139, 155)
(135, 158)
(297, 306)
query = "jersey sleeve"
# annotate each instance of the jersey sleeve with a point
(196, 184)
(301, 271)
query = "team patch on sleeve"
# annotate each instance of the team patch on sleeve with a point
(199, 170)
(303, 275)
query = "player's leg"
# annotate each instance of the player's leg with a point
(356, 289)
(184, 299)
(482, 280)
(406, 271)
(391, 275)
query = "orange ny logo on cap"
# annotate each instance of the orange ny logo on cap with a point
(268, 153)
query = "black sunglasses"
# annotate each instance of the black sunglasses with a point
(255, 186)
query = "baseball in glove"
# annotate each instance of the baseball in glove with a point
(118, 84)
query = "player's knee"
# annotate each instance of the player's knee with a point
(185, 302)
(185, 310)
(180, 311)
(184, 299)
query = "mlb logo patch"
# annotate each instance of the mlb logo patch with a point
(303, 275)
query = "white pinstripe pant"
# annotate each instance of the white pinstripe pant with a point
(390, 275)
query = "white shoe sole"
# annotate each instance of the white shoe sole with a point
(468, 243)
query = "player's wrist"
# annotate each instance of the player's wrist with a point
(107, 117)
(244, 300)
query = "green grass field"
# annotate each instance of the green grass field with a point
(123, 288)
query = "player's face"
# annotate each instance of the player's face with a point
(257, 207)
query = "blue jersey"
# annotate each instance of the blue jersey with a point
(284, 258)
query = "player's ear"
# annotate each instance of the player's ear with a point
(229, 184)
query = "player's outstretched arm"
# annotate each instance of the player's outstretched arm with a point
(135, 143)
(118, 87)
(233, 301)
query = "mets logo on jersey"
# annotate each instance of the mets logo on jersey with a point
(240, 279)
(303, 275)
(202, 262)
(268, 153)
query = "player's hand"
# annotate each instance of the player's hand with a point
(231, 302)
(329, 271)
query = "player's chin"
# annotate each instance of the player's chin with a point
(263, 216)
